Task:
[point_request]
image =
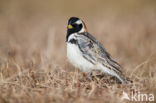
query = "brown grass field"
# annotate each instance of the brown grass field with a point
(33, 63)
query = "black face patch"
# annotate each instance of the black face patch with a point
(75, 27)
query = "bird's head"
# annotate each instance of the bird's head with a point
(76, 25)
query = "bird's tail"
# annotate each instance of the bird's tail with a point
(121, 77)
(118, 75)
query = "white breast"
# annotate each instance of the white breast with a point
(75, 57)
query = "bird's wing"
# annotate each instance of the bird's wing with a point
(95, 52)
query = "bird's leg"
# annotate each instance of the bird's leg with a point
(89, 75)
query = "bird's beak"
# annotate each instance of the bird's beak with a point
(70, 26)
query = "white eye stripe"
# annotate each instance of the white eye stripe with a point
(78, 22)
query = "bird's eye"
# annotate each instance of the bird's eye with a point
(74, 25)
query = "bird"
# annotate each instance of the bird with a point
(86, 53)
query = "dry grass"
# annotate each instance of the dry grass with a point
(34, 68)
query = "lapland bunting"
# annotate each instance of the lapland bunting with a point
(86, 53)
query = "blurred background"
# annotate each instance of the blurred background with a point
(33, 64)
(127, 28)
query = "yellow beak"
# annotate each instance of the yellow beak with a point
(70, 26)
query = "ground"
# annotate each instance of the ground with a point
(34, 67)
